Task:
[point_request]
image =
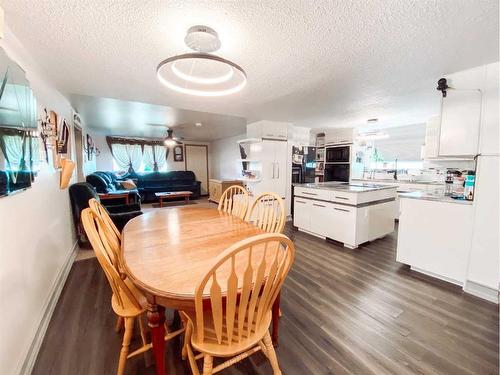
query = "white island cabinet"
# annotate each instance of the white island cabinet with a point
(348, 213)
(435, 234)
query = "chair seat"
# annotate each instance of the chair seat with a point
(210, 344)
(129, 310)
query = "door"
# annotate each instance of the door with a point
(197, 161)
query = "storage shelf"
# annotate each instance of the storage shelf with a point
(250, 179)
(250, 140)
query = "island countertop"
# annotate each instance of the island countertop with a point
(433, 197)
(345, 186)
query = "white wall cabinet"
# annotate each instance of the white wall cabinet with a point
(431, 149)
(268, 129)
(460, 121)
(339, 136)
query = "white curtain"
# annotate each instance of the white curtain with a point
(14, 150)
(160, 153)
(155, 157)
(148, 158)
(128, 157)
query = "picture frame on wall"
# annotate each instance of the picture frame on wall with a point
(178, 153)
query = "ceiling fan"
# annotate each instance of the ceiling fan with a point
(169, 140)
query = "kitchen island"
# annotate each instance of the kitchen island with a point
(435, 234)
(351, 213)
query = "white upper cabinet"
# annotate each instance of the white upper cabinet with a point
(431, 149)
(339, 136)
(268, 129)
(460, 123)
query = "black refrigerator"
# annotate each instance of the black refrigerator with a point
(303, 166)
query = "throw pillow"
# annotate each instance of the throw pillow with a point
(128, 184)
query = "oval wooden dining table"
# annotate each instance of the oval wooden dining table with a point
(167, 252)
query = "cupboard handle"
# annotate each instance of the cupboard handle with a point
(342, 198)
(305, 192)
(341, 209)
(300, 201)
(273, 170)
(278, 168)
(318, 205)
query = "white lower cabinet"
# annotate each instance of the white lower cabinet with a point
(302, 213)
(435, 237)
(351, 225)
(342, 223)
(320, 217)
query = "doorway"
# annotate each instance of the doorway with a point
(197, 161)
(80, 176)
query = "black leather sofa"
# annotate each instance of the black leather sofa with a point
(108, 183)
(80, 194)
(149, 183)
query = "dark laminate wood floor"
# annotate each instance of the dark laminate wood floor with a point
(344, 311)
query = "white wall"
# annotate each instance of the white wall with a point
(225, 153)
(36, 235)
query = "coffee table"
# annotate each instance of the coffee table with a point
(174, 194)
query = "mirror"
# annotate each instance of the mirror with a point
(19, 144)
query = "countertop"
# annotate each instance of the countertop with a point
(345, 186)
(433, 197)
(368, 180)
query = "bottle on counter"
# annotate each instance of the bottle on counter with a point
(469, 187)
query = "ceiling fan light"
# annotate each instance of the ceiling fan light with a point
(169, 142)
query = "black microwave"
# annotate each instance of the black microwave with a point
(337, 154)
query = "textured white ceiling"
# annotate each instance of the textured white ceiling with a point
(318, 63)
(126, 118)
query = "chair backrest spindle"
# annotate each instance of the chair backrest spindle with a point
(234, 201)
(254, 269)
(268, 213)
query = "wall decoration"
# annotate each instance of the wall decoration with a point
(63, 138)
(90, 148)
(48, 132)
(67, 168)
(178, 153)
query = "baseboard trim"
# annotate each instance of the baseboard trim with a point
(481, 291)
(437, 276)
(47, 311)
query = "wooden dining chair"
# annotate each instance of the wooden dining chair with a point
(236, 206)
(236, 324)
(127, 301)
(268, 213)
(111, 232)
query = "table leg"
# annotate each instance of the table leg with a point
(156, 320)
(276, 319)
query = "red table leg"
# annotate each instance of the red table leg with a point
(276, 319)
(156, 320)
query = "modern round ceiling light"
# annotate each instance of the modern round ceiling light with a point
(201, 73)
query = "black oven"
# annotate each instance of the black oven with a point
(337, 172)
(337, 154)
